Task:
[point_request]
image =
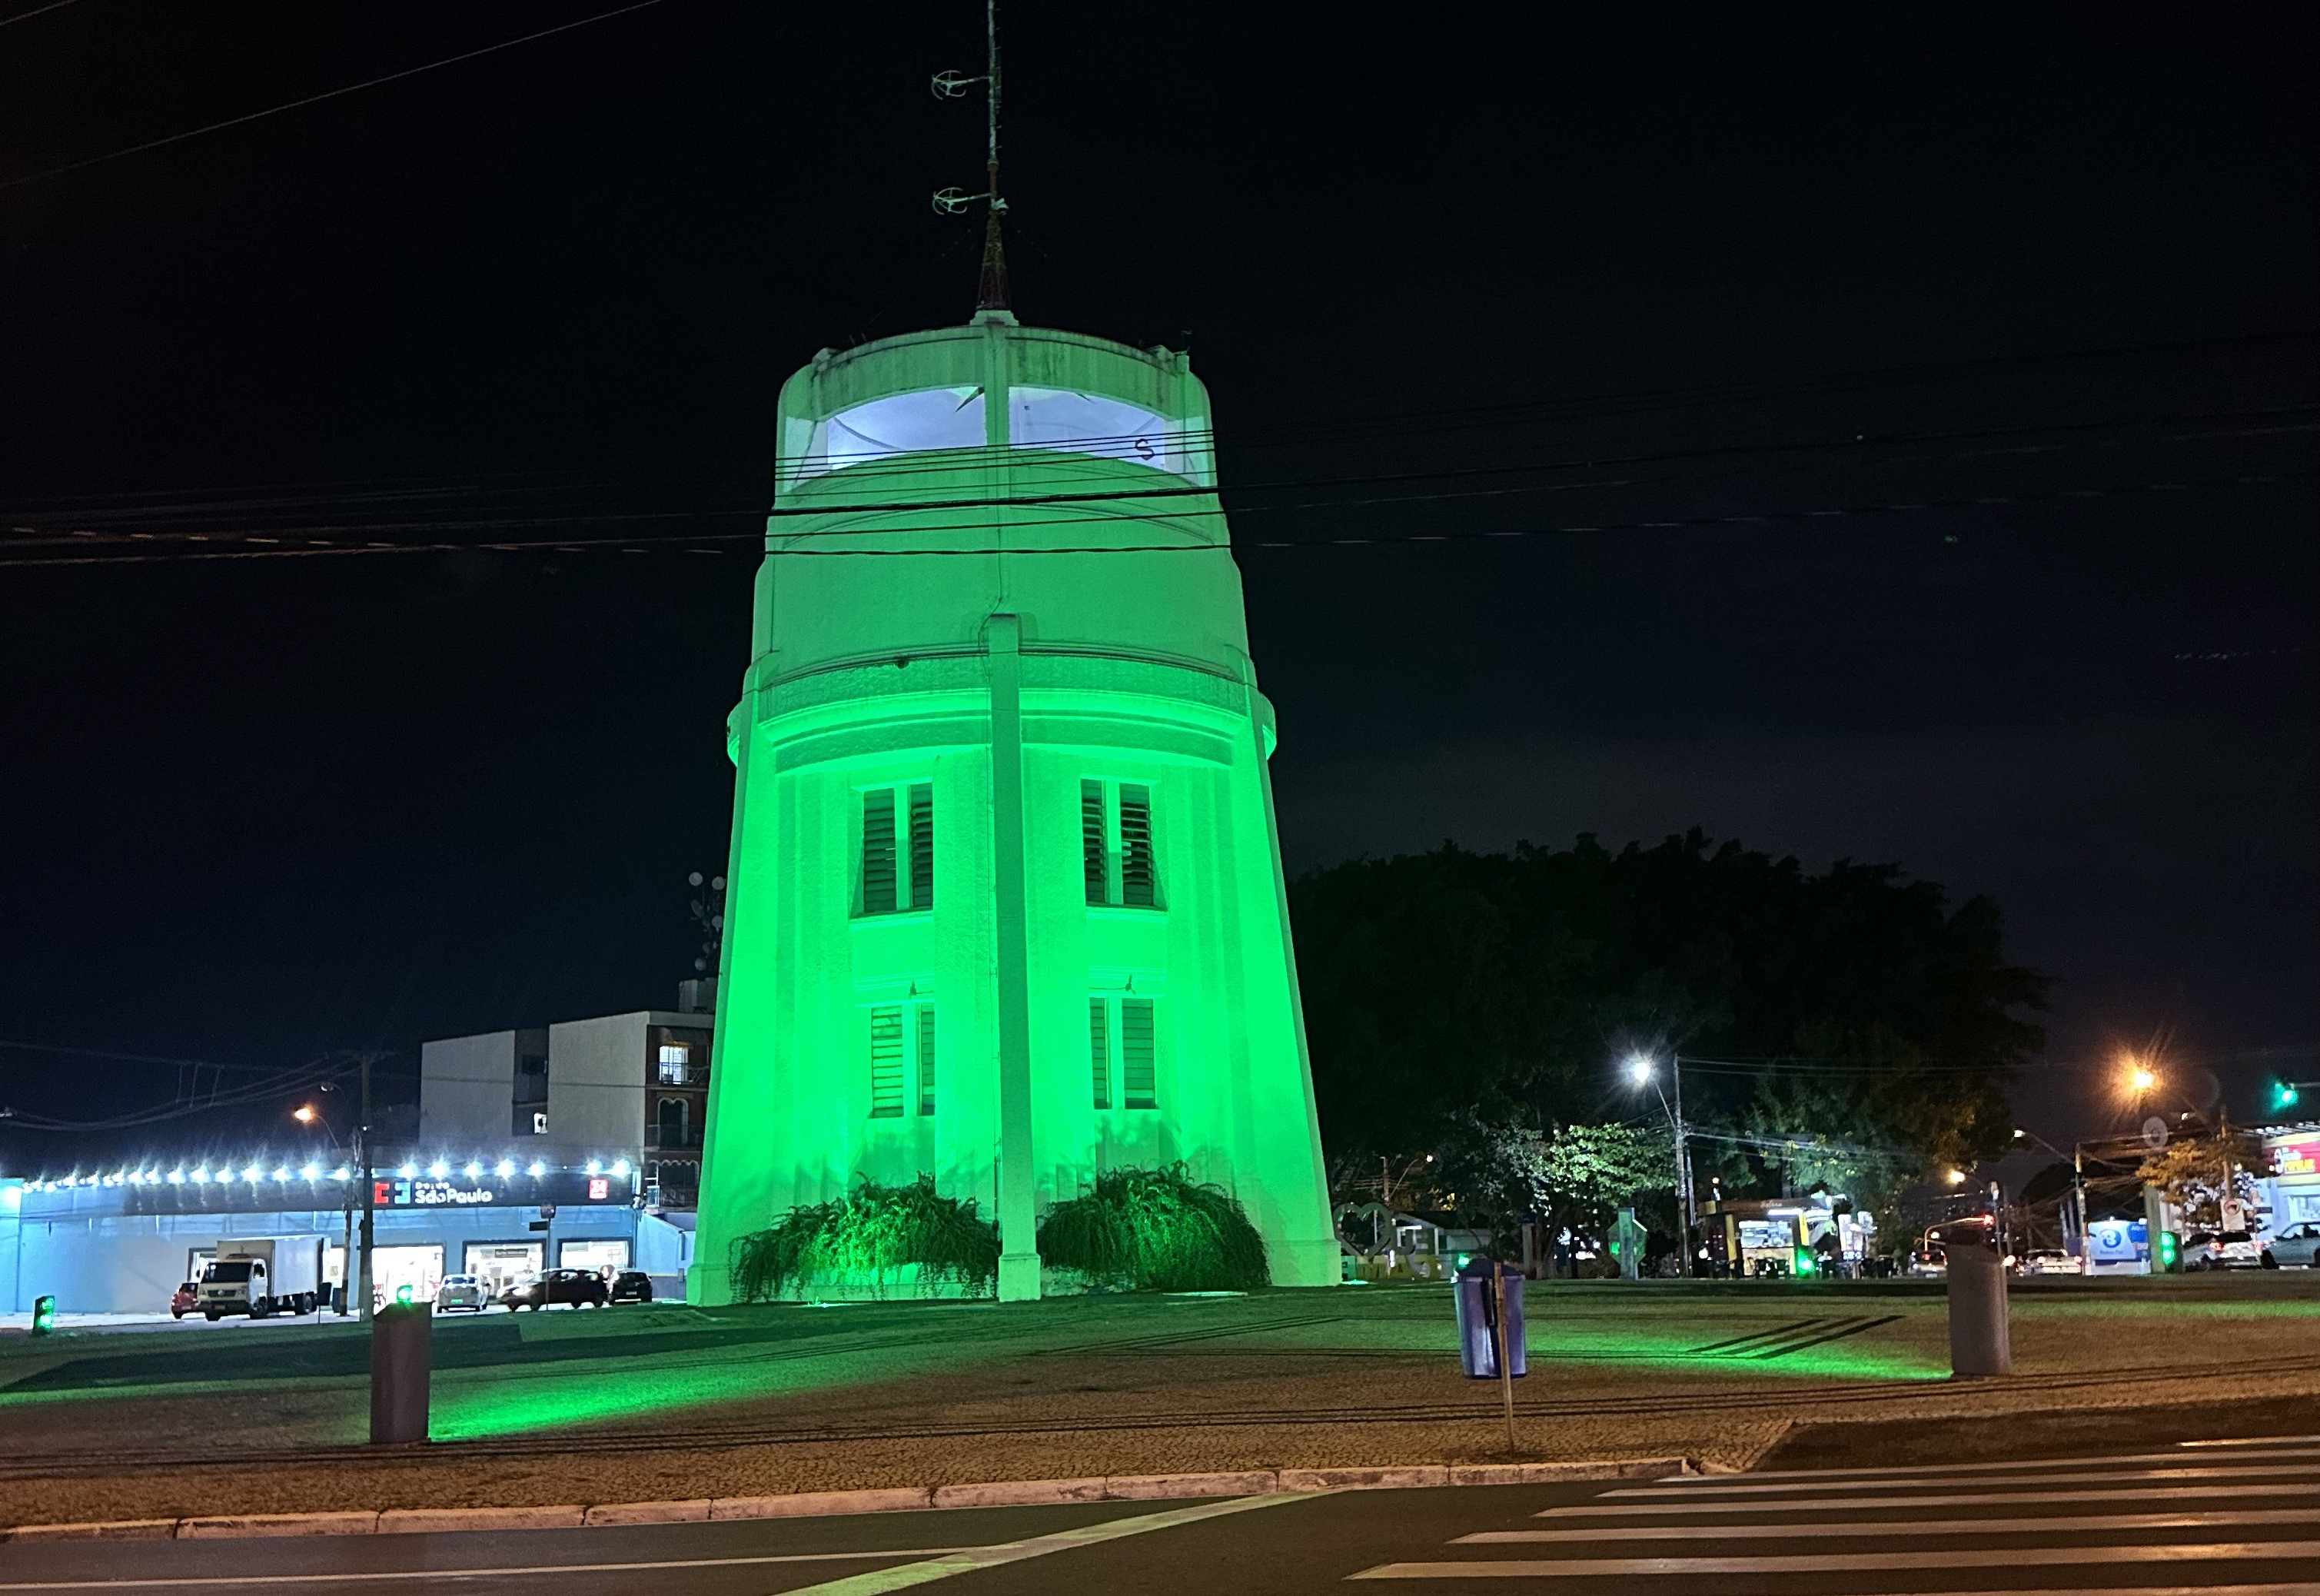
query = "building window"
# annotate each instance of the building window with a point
(1117, 861)
(902, 1049)
(898, 877)
(673, 1056)
(926, 1039)
(672, 1114)
(1100, 1049)
(886, 1062)
(1121, 1050)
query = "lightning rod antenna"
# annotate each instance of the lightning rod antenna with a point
(990, 290)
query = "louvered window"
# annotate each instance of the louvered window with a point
(878, 852)
(1100, 1049)
(1122, 1052)
(1139, 882)
(1095, 855)
(926, 1058)
(898, 866)
(923, 846)
(1138, 1079)
(886, 1062)
(1119, 862)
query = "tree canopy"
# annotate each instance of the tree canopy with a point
(1849, 1025)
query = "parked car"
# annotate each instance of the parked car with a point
(462, 1291)
(632, 1285)
(185, 1299)
(578, 1287)
(2299, 1246)
(2052, 1261)
(2221, 1249)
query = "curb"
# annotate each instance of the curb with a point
(815, 1504)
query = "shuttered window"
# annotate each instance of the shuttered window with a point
(886, 1062)
(1093, 853)
(1100, 1049)
(926, 1058)
(1118, 857)
(878, 852)
(1138, 1078)
(923, 846)
(1138, 878)
(898, 865)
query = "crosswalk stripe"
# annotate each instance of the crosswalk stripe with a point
(2281, 1443)
(1532, 1568)
(2089, 1477)
(1853, 1504)
(1916, 1527)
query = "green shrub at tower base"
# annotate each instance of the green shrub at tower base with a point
(1154, 1230)
(876, 1238)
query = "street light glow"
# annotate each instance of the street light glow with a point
(1956, 1177)
(304, 1113)
(1639, 1069)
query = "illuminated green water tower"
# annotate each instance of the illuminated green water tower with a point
(1005, 900)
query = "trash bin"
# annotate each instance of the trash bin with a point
(402, 1355)
(1478, 1319)
(1978, 1340)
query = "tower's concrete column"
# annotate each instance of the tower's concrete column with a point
(1018, 1252)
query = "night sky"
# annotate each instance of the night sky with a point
(2028, 296)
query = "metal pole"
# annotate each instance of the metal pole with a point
(362, 1158)
(1505, 1360)
(1683, 1159)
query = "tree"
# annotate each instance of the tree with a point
(1452, 997)
(2190, 1173)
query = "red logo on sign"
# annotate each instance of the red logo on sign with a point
(599, 1188)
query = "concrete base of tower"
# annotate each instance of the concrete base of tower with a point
(1019, 1277)
(707, 1287)
(1306, 1263)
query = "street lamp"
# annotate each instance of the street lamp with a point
(2078, 1182)
(1642, 1071)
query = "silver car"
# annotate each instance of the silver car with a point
(462, 1291)
(2298, 1247)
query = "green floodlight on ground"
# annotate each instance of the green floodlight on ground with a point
(44, 1315)
(1805, 1262)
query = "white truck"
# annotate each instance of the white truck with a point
(261, 1275)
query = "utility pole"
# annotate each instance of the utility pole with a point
(1682, 1160)
(370, 1193)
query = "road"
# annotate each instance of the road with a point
(2236, 1519)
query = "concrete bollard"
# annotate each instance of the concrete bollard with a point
(1979, 1341)
(401, 1358)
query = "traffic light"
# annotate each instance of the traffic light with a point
(2283, 1094)
(44, 1315)
(2169, 1251)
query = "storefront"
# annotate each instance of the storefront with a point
(2292, 1192)
(120, 1243)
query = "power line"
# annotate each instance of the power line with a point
(96, 161)
(25, 16)
(689, 542)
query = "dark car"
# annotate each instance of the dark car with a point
(632, 1285)
(579, 1287)
(185, 1300)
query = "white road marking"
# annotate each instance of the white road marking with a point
(2301, 1447)
(2210, 1472)
(1910, 1527)
(1833, 1562)
(1853, 1504)
(966, 1561)
(177, 1582)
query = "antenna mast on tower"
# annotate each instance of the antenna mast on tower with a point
(991, 291)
